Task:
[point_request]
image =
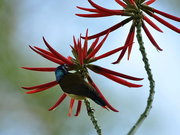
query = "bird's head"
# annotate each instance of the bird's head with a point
(60, 72)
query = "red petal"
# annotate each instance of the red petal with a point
(149, 2)
(166, 23)
(40, 89)
(85, 45)
(99, 69)
(119, 80)
(40, 69)
(151, 23)
(75, 44)
(58, 55)
(44, 51)
(71, 107)
(78, 108)
(93, 45)
(121, 3)
(53, 59)
(109, 53)
(167, 15)
(93, 15)
(88, 9)
(127, 43)
(49, 84)
(150, 37)
(116, 26)
(113, 12)
(131, 44)
(58, 102)
(93, 53)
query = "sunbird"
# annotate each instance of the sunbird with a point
(75, 86)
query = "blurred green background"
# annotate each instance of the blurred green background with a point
(24, 22)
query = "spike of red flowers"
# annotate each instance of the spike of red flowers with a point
(121, 3)
(101, 95)
(71, 107)
(40, 69)
(99, 69)
(150, 37)
(113, 12)
(52, 83)
(127, 43)
(48, 56)
(109, 53)
(166, 15)
(93, 53)
(172, 27)
(149, 2)
(119, 80)
(58, 55)
(78, 108)
(151, 23)
(116, 26)
(58, 102)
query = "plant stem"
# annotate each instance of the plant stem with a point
(144, 115)
(90, 112)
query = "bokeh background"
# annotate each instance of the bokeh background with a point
(24, 22)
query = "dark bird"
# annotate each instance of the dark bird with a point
(76, 87)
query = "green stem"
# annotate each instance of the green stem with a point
(90, 112)
(144, 115)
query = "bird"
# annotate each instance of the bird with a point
(76, 87)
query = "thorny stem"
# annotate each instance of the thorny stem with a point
(90, 112)
(144, 115)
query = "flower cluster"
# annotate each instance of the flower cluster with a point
(136, 11)
(84, 55)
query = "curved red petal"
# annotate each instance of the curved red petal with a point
(78, 108)
(58, 102)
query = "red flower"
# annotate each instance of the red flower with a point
(135, 10)
(83, 56)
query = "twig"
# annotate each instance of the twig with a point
(144, 115)
(90, 112)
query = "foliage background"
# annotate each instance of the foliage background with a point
(24, 22)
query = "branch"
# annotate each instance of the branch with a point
(144, 115)
(90, 112)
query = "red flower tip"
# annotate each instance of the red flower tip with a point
(151, 23)
(58, 102)
(78, 108)
(165, 23)
(40, 69)
(93, 52)
(71, 107)
(99, 69)
(120, 81)
(121, 3)
(109, 53)
(58, 55)
(128, 44)
(149, 2)
(166, 15)
(150, 37)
